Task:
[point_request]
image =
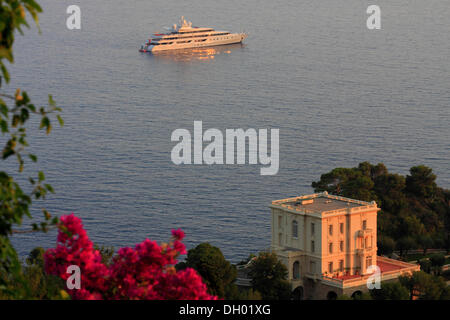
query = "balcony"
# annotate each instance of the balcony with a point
(369, 250)
(364, 232)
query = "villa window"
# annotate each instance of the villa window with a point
(312, 267)
(312, 246)
(364, 224)
(312, 229)
(341, 228)
(341, 265)
(294, 229)
(296, 270)
(330, 267)
(330, 229)
(341, 246)
(330, 247)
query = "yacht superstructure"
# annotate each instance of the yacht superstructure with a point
(184, 36)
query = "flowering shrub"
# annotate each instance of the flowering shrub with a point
(144, 272)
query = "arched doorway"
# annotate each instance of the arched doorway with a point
(331, 295)
(297, 294)
(356, 295)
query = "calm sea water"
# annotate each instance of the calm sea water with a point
(339, 93)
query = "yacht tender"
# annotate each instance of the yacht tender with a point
(184, 36)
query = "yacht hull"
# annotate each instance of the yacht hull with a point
(217, 41)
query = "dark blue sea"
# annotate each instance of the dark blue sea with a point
(339, 93)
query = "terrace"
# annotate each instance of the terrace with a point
(389, 268)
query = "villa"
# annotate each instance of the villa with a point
(327, 243)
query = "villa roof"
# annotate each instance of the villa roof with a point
(321, 203)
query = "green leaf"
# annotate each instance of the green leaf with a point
(4, 125)
(61, 121)
(19, 159)
(32, 107)
(6, 53)
(41, 176)
(35, 18)
(47, 214)
(51, 102)
(4, 72)
(45, 123)
(7, 152)
(4, 109)
(15, 120)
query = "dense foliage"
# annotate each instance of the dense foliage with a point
(424, 286)
(218, 274)
(415, 211)
(39, 285)
(269, 277)
(144, 272)
(14, 201)
(391, 291)
(416, 286)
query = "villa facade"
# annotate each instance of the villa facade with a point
(328, 243)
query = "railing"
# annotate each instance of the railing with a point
(325, 194)
(362, 233)
(333, 281)
(364, 205)
(302, 210)
(313, 276)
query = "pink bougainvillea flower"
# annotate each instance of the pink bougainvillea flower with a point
(143, 272)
